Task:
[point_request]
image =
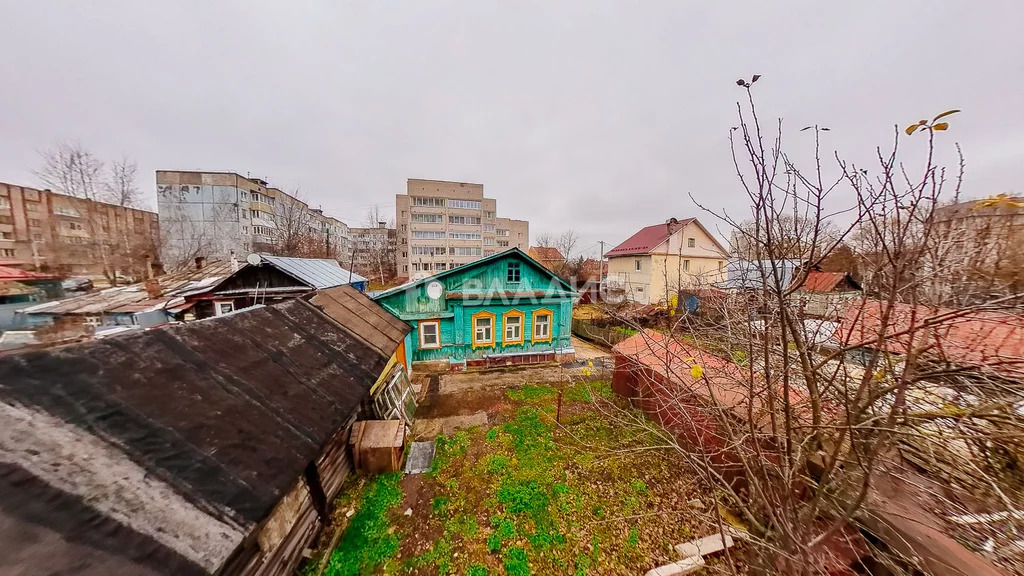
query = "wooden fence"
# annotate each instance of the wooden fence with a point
(607, 335)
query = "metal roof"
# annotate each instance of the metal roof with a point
(121, 298)
(319, 273)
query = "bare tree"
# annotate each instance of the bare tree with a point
(121, 187)
(812, 432)
(68, 168)
(377, 244)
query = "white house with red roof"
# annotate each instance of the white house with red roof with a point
(651, 266)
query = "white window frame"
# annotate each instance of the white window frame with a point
(436, 324)
(546, 324)
(517, 328)
(691, 242)
(686, 265)
(218, 307)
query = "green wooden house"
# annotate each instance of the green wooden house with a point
(502, 309)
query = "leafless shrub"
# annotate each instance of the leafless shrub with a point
(823, 436)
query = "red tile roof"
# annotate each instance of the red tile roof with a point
(21, 275)
(993, 340)
(546, 254)
(648, 238)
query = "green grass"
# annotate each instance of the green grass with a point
(528, 497)
(368, 541)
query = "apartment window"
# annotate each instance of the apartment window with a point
(34, 222)
(255, 196)
(691, 242)
(416, 266)
(513, 273)
(243, 195)
(513, 327)
(92, 321)
(488, 227)
(542, 326)
(464, 235)
(428, 251)
(472, 220)
(489, 215)
(222, 308)
(405, 254)
(432, 202)
(637, 264)
(245, 214)
(686, 265)
(7, 252)
(6, 236)
(502, 242)
(483, 329)
(466, 251)
(430, 335)
(75, 226)
(405, 268)
(404, 214)
(488, 241)
(5, 203)
(502, 232)
(440, 266)
(245, 230)
(466, 204)
(488, 252)
(428, 218)
(7, 219)
(32, 206)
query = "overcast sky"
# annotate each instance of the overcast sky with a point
(600, 116)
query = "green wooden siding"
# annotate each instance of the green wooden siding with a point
(484, 286)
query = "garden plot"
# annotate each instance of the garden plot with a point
(528, 495)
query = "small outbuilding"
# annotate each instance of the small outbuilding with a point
(211, 447)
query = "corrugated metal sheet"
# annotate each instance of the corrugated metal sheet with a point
(119, 299)
(319, 273)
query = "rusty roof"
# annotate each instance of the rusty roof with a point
(818, 281)
(724, 383)
(545, 254)
(159, 451)
(992, 341)
(124, 299)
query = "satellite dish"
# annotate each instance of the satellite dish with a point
(434, 290)
(253, 259)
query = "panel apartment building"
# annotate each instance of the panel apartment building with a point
(215, 214)
(73, 236)
(442, 225)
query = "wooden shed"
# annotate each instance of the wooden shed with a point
(212, 447)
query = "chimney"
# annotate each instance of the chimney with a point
(382, 224)
(200, 262)
(234, 262)
(153, 289)
(149, 267)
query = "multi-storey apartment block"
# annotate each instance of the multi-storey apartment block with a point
(75, 236)
(213, 214)
(442, 225)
